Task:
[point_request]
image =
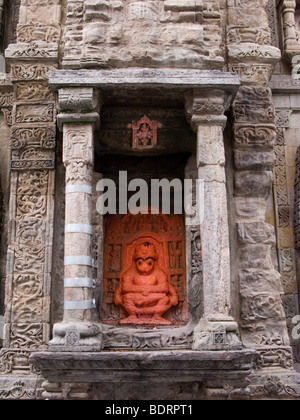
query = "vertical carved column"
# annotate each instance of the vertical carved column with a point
(217, 329)
(288, 8)
(79, 330)
(283, 203)
(30, 236)
(263, 323)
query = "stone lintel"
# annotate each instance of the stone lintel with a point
(145, 78)
(281, 83)
(179, 366)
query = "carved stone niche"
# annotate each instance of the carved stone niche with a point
(144, 282)
(148, 251)
(174, 249)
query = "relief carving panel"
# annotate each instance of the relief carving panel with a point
(157, 294)
(140, 33)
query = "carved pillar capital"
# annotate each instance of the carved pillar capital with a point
(207, 107)
(78, 106)
(78, 99)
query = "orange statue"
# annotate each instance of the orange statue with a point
(145, 291)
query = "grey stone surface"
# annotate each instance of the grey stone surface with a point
(180, 79)
(172, 366)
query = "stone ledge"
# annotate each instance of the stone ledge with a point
(172, 366)
(142, 78)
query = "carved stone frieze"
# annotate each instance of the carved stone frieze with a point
(18, 388)
(37, 137)
(33, 148)
(116, 338)
(33, 91)
(252, 72)
(273, 387)
(31, 33)
(164, 32)
(78, 145)
(37, 113)
(6, 104)
(30, 72)
(33, 50)
(258, 136)
(237, 35)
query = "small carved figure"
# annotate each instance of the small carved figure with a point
(144, 134)
(114, 258)
(145, 291)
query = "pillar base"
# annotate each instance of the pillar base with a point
(76, 336)
(216, 334)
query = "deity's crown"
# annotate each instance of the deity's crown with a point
(145, 250)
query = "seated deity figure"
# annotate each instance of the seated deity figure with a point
(145, 291)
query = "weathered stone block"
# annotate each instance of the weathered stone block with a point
(259, 281)
(256, 256)
(253, 183)
(254, 159)
(182, 5)
(250, 208)
(256, 233)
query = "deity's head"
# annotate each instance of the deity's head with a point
(145, 257)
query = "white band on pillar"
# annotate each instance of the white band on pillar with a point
(80, 282)
(81, 305)
(79, 228)
(79, 260)
(79, 188)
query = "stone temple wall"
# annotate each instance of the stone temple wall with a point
(107, 51)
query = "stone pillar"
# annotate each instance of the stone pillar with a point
(31, 203)
(217, 329)
(79, 330)
(262, 320)
(288, 8)
(2, 59)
